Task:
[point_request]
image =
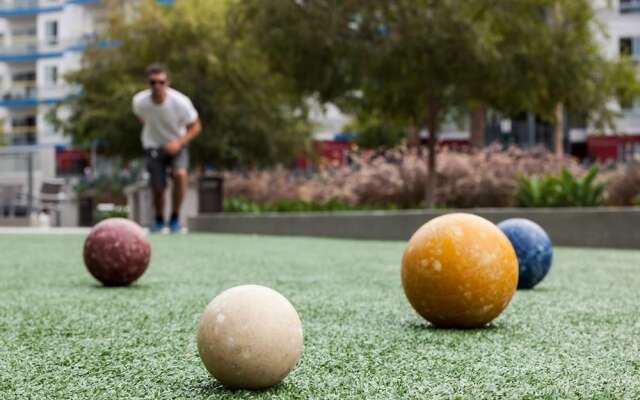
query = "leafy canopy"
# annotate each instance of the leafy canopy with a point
(248, 113)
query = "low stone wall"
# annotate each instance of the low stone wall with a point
(581, 227)
(14, 222)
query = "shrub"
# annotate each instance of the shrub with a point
(536, 192)
(479, 178)
(580, 192)
(624, 186)
(244, 205)
(563, 190)
(110, 212)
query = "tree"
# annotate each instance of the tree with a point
(415, 61)
(374, 132)
(409, 60)
(572, 74)
(249, 114)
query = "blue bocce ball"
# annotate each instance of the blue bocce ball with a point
(533, 248)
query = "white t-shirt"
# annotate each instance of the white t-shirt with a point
(166, 121)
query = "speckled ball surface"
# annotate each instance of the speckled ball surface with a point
(250, 337)
(459, 271)
(117, 252)
(533, 248)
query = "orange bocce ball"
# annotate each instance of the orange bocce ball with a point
(459, 271)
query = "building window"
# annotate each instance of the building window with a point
(23, 129)
(629, 6)
(51, 75)
(630, 46)
(51, 33)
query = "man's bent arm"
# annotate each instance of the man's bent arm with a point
(193, 130)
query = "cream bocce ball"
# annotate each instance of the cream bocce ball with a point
(250, 337)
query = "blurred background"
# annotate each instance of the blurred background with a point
(322, 105)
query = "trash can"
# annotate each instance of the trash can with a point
(210, 194)
(85, 210)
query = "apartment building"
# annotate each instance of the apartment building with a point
(621, 18)
(40, 41)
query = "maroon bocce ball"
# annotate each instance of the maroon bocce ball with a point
(117, 251)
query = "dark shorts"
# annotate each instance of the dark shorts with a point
(159, 164)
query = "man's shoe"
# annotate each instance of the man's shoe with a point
(175, 227)
(156, 227)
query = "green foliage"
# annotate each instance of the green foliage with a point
(535, 192)
(248, 114)
(564, 190)
(240, 205)
(571, 67)
(398, 58)
(414, 61)
(581, 192)
(636, 200)
(117, 212)
(108, 186)
(375, 132)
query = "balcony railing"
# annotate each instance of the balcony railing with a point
(26, 45)
(24, 94)
(18, 135)
(18, 4)
(29, 7)
(30, 46)
(629, 6)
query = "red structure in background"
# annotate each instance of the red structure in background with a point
(332, 152)
(598, 148)
(455, 144)
(612, 148)
(71, 161)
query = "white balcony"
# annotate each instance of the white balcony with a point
(29, 6)
(28, 94)
(28, 46)
(18, 135)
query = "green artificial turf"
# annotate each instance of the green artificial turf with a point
(64, 337)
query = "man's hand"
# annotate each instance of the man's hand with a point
(193, 129)
(172, 147)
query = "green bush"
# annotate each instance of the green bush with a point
(564, 190)
(240, 205)
(116, 212)
(536, 192)
(636, 200)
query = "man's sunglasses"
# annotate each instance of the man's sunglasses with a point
(156, 82)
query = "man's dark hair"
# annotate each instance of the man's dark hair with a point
(156, 68)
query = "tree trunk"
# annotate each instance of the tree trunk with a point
(432, 125)
(478, 126)
(558, 130)
(414, 138)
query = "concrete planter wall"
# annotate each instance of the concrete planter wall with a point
(584, 227)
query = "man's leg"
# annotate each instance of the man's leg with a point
(157, 168)
(180, 183)
(180, 178)
(158, 205)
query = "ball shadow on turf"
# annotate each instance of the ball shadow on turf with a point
(418, 325)
(213, 387)
(535, 289)
(114, 287)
